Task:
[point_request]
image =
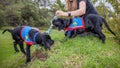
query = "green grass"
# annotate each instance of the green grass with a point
(79, 52)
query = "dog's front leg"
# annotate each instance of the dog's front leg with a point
(21, 46)
(28, 57)
(15, 46)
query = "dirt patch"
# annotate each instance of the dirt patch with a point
(38, 54)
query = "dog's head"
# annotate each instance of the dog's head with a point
(60, 23)
(45, 40)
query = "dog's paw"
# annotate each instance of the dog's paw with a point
(16, 52)
(28, 61)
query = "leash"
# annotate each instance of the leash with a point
(51, 26)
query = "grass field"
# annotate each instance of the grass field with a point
(79, 52)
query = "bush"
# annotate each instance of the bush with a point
(2, 18)
(115, 27)
(16, 13)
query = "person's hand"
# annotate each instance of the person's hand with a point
(61, 13)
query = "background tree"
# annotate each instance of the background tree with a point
(23, 12)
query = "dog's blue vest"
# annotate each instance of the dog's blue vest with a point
(77, 23)
(25, 35)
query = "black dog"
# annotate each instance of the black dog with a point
(30, 36)
(93, 24)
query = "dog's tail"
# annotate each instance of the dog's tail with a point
(9, 30)
(108, 26)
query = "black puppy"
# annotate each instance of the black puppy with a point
(93, 24)
(30, 36)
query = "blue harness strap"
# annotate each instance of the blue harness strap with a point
(34, 39)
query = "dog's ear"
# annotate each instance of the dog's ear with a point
(46, 45)
(62, 26)
(48, 39)
(56, 22)
(46, 35)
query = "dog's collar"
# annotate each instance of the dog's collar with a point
(34, 38)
